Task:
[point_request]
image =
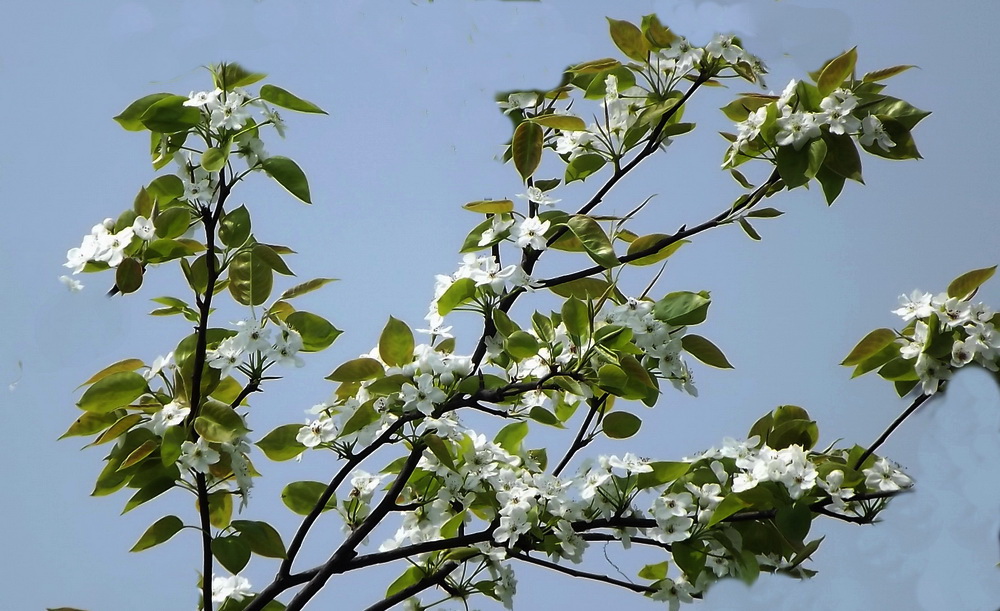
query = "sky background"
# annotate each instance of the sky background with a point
(413, 133)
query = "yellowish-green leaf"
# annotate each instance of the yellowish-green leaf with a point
(526, 148)
(161, 530)
(647, 242)
(968, 283)
(870, 345)
(113, 391)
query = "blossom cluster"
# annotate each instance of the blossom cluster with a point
(255, 341)
(796, 126)
(103, 245)
(946, 333)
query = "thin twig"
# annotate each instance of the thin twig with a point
(892, 427)
(435, 578)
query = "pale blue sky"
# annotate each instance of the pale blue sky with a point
(412, 134)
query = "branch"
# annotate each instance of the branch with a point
(206, 540)
(579, 443)
(892, 427)
(720, 219)
(435, 578)
(346, 551)
(582, 574)
(530, 256)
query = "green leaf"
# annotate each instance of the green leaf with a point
(395, 345)
(567, 123)
(583, 166)
(490, 206)
(459, 293)
(647, 242)
(214, 159)
(139, 454)
(219, 422)
(409, 577)
(510, 437)
(836, 71)
(230, 75)
(544, 416)
(161, 530)
(521, 345)
(232, 552)
(128, 276)
(526, 148)
(234, 228)
(113, 391)
(317, 333)
(306, 287)
(899, 370)
(220, 508)
(120, 366)
(883, 356)
(302, 497)
(831, 182)
(148, 492)
(629, 39)
(748, 228)
(165, 189)
(130, 117)
(440, 449)
(250, 278)
(281, 444)
(280, 97)
(682, 308)
(262, 538)
(656, 33)
(170, 448)
(705, 351)
(357, 370)
(594, 240)
(869, 345)
(739, 109)
(273, 260)
(880, 75)
(120, 427)
(576, 317)
(170, 223)
(887, 106)
(621, 425)
(689, 558)
(90, 423)
(288, 174)
(729, 505)
(968, 283)
(362, 417)
(169, 115)
(842, 156)
(663, 472)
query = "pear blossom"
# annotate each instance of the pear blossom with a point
(726, 48)
(531, 233)
(143, 228)
(684, 54)
(836, 113)
(198, 455)
(536, 195)
(573, 143)
(917, 305)
(235, 587)
(885, 477)
(423, 396)
(206, 99)
(171, 414)
(230, 114)
(518, 101)
(872, 132)
(797, 129)
(495, 231)
(315, 432)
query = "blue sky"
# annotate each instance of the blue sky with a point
(412, 134)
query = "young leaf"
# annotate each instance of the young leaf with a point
(357, 370)
(621, 425)
(317, 333)
(280, 97)
(113, 391)
(968, 283)
(306, 287)
(281, 443)
(526, 148)
(594, 240)
(161, 530)
(395, 345)
(705, 351)
(301, 497)
(869, 346)
(289, 175)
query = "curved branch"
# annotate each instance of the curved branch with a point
(892, 427)
(582, 574)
